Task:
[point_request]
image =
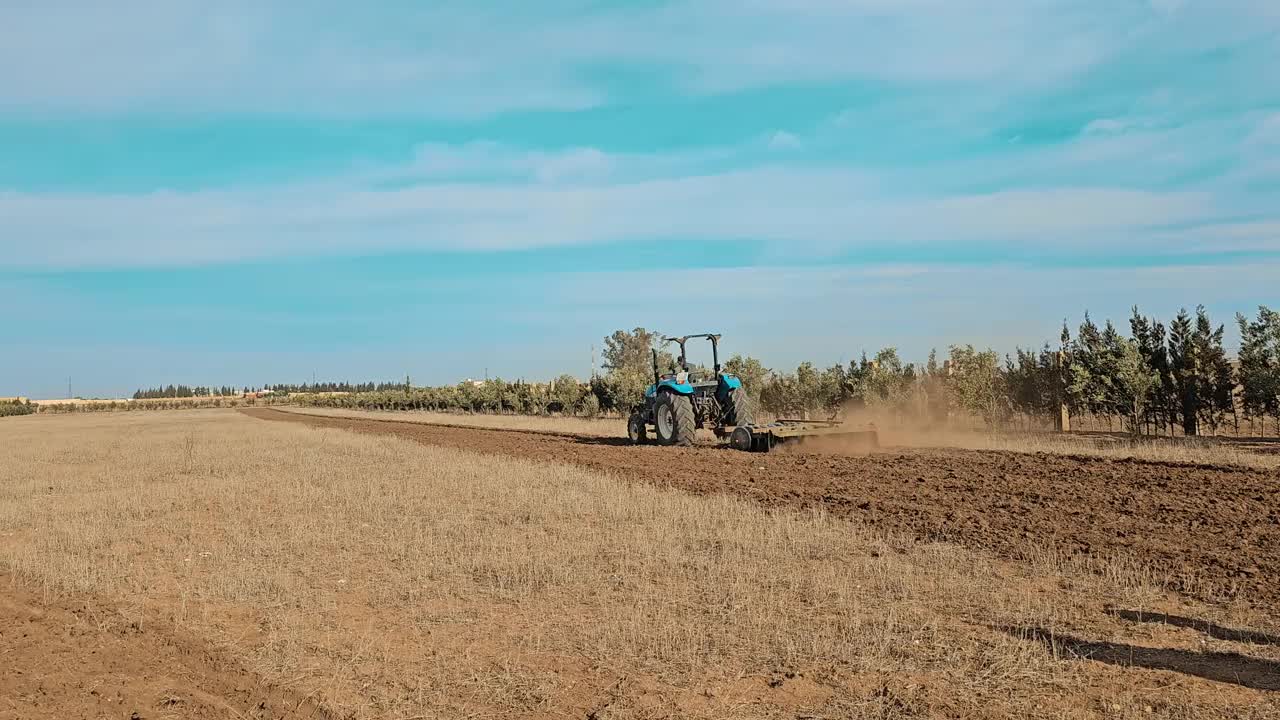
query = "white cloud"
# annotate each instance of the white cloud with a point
(783, 140)
(557, 200)
(1107, 126)
(1167, 6)
(1267, 132)
(486, 160)
(462, 59)
(1255, 236)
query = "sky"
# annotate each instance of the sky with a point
(260, 192)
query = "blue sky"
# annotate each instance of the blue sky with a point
(251, 192)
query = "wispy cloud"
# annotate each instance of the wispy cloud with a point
(783, 140)
(464, 59)
(816, 208)
(1116, 156)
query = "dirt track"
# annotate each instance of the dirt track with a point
(72, 658)
(1190, 522)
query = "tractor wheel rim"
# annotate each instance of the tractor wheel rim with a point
(666, 423)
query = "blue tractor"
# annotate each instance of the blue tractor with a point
(680, 402)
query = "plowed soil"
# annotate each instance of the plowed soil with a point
(80, 658)
(1208, 531)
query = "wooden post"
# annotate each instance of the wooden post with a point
(1063, 421)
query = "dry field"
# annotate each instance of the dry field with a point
(529, 423)
(1205, 529)
(211, 564)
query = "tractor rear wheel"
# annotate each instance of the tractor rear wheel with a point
(674, 419)
(637, 433)
(737, 408)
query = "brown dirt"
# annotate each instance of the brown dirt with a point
(77, 657)
(1208, 531)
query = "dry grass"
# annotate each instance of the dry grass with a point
(395, 580)
(604, 427)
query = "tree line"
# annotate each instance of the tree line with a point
(16, 407)
(186, 391)
(1175, 379)
(564, 395)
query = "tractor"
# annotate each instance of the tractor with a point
(680, 402)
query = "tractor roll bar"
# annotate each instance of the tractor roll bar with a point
(684, 362)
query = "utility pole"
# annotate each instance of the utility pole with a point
(593, 361)
(69, 387)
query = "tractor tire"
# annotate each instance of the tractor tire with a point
(673, 419)
(637, 432)
(737, 408)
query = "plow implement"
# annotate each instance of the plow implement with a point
(765, 437)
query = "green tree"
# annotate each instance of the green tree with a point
(1150, 336)
(1183, 371)
(589, 405)
(16, 407)
(810, 389)
(1214, 377)
(779, 396)
(1260, 365)
(977, 383)
(1115, 397)
(1032, 382)
(934, 382)
(857, 382)
(565, 394)
(749, 370)
(1088, 379)
(628, 362)
(1135, 383)
(608, 397)
(888, 382)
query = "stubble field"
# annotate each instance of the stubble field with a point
(1207, 529)
(213, 564)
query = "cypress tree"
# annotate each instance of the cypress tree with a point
(1183, 366)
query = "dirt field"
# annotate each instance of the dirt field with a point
(210, 564)
(81, 657)
(1212, 532)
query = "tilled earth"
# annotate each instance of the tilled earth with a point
(1208, 531)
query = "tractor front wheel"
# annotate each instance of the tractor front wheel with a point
(637, 432)
(674, 419)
